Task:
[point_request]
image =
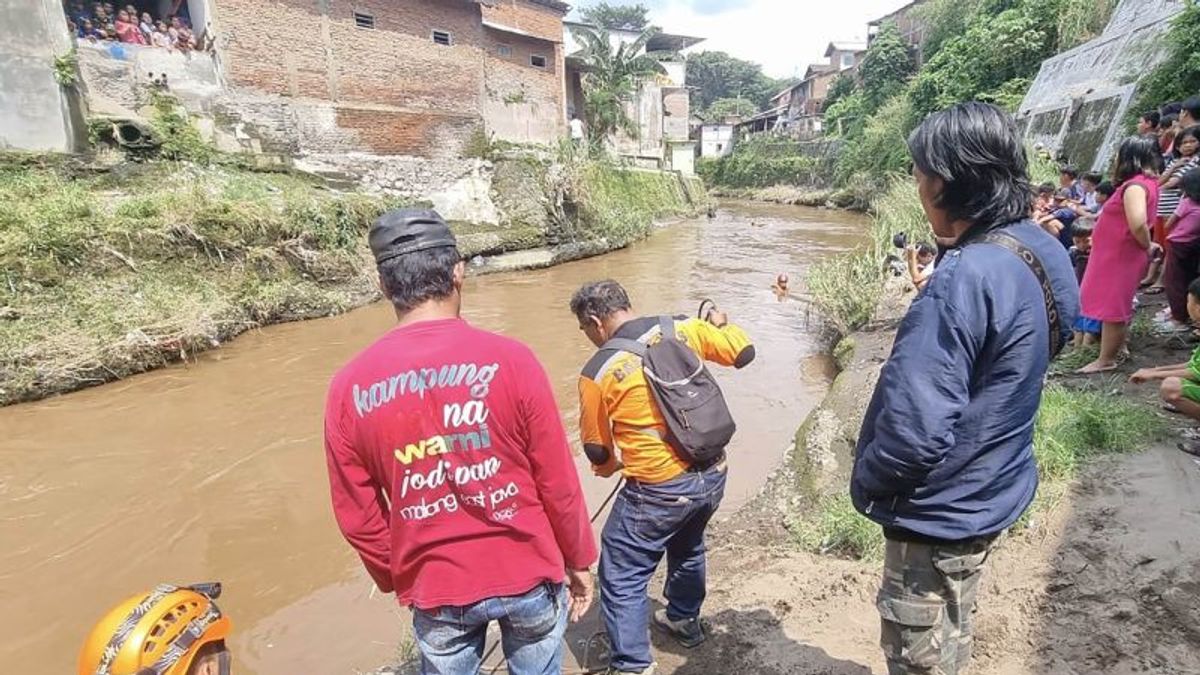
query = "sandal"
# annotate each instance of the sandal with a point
(1153, 290)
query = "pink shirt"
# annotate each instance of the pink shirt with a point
(1187, 225)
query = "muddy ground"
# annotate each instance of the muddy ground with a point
(1106, 583)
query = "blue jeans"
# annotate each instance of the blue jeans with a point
(648, 520)
(532, 626)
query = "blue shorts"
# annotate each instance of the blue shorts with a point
(1086, 325)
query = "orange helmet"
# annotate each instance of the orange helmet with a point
(158, 633)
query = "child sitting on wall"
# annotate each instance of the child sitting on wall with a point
(1180, 389)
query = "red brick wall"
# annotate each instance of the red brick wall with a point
(544, 22)
(392, 87)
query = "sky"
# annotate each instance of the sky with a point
(784, 36)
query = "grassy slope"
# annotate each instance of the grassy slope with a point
(108, 274)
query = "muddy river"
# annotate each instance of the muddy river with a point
(214, 470)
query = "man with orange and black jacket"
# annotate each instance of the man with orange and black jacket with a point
(667, 501)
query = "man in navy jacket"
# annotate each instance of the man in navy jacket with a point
(945, 457)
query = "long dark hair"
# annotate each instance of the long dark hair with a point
(1137, 155)
(976, 150)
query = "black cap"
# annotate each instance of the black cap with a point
(403, 231)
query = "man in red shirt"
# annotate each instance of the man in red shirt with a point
(450, 470)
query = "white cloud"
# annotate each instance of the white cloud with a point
(782, 35)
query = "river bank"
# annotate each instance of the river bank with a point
(112, 270)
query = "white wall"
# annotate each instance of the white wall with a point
(716, 140)
(33, 107)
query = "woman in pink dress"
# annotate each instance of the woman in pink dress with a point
(1120, 248)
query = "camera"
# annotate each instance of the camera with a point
(900, 240)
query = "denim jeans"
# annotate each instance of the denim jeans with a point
(648, 520)
(532, 626)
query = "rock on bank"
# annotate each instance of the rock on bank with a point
(114, 270)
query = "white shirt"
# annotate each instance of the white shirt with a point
(576, 128)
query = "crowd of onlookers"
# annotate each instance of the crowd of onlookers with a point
(1139, 232)
(105, 22)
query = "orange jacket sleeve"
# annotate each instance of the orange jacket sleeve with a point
(595, 429)
(727, 345)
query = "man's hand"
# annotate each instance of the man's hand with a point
(582, 590)
(1141, 376)
(910, 252)
(717, 318)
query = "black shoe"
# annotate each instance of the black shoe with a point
(686, 632)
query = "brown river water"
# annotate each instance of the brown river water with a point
(214, 470)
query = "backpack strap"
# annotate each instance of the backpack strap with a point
(666, 324)
(1012, 244)
(625, 345)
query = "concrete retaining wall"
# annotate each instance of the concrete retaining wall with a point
(1080, 98)
(34, 110)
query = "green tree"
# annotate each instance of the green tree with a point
(616, 17)
(1178, 76)
(611, 78)
(725, 107)
(717, 75)
(843, 85)
(886, 67)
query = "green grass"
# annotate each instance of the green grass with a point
(846, 288)
(113, 273)
(837, 529)
(1073, 428)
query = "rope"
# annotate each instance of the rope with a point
(587, 650)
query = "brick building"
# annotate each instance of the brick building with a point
(301, 77)
(408, 78)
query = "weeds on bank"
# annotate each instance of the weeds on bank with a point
(1074, 426)
(846, 288)
(109, 274)
(836, 528)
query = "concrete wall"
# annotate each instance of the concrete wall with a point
(34, 109)
(716, 140)
(1077, 105)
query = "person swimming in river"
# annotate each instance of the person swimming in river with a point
(780, 286)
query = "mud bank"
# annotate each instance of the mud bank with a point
(1104, 580)
(115, 270)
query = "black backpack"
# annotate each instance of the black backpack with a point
(699, 423)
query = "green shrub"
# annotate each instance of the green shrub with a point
(846, 288)
(1178, 76)
(763, 160)
(837, 529)
(881, 148)
(180, 139)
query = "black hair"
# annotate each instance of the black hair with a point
(977, 152)
(1194, 289)
(1046, 189)
(1069, 171)
(413, 278)
(1190, 185)
(1136, 155)
(1192, 106)
(1170, 109)
(1152, 118)
(925, 248)
(1063, 194)
(1192, 131)
(1106, 188)
(1092, 177)
(1168, 119)
(599, 299)
(1083, 228)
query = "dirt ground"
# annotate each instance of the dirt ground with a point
(1108, 583)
